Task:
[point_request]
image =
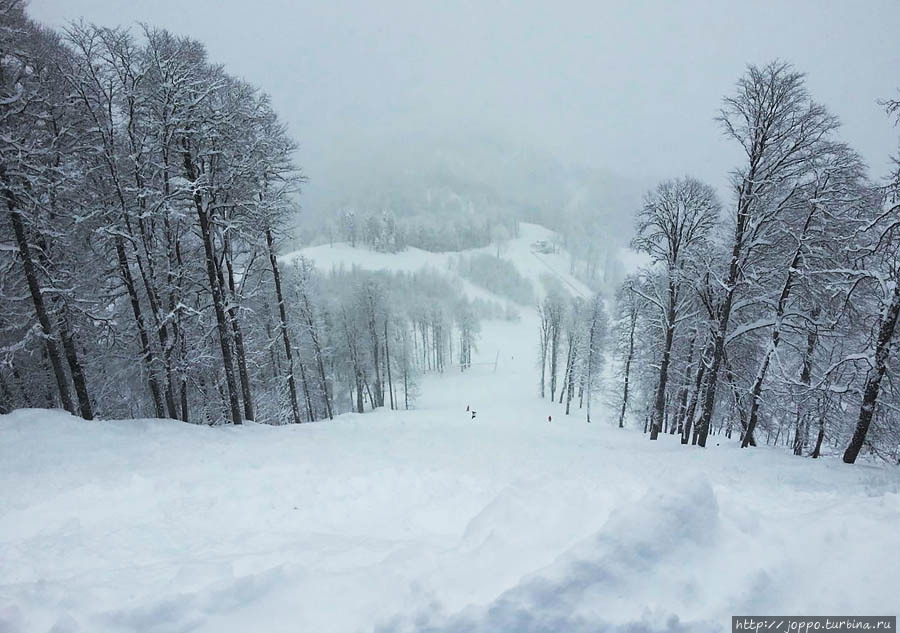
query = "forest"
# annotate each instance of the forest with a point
(771, 316)
(147, 193)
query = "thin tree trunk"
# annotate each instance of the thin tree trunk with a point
(184, 400)
(745, 434)
(369, 392)
(317, 350)
(378, 400)
(387, 362)
(685, 388)
(405, 388)
(817, 451)
(310, 412)
(805, 376)
(554, 358)
(543, 368)
(283, 326)
(569, 359)
(692, 407)
(570, 391)
(240, 353)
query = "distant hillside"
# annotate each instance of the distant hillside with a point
(428, 177)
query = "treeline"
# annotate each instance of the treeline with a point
(771, 319)
(364, 338)
(385, 232)
(573, 334)
(593, 250)
(378, 231)
(500, 276)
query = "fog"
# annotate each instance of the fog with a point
(631, 92)
(480, 324)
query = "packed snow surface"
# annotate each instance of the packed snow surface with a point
(428, 521)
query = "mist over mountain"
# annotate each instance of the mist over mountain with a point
(420, 171)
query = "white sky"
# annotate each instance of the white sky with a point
(627, 86)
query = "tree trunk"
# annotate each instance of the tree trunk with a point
(570, 391)
(875, 375)
(745, 198)
(378, 400)
(685, 388)
(709, 395)
(817, 451)
(570, 353)
(806, 374)
(310, 411)
(243, 375)
(627, 370)
(317, 350)
(756, 390)
(554, 356)
(6, 397)
(660, 400)
(67, 338)
(217, 291)
(692, 407)
(78, 379)
(387, 362)
(184, 401)
(283, 326)
(405, 388)
(745, 435)
(153, 300)
(543, 366)
(39, 308)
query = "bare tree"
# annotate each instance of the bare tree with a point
(676, 218)
(779, 128)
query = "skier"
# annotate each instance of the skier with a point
(473, 414)
(467, 408)
(549, 418)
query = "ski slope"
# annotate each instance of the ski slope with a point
(427, 521)
(531, 265)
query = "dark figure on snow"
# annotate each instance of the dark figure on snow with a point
(473, 414)
(549, 418)
(467, 408)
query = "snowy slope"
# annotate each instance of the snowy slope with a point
(425, 521)
(428, 521)
(531, 265)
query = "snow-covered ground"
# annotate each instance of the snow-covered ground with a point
(428, 521)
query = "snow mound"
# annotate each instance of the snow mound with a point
(642, 543)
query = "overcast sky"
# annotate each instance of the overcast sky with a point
(631, 87)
